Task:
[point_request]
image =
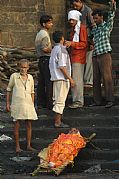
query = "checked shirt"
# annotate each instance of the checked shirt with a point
(101, 35)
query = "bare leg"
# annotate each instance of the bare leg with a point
(29, 134)
(16, 136)
(57, 119)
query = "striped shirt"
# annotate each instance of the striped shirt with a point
(101, 35)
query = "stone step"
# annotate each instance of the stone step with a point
(52, 133)
(79, 166)
(116, 22)
(102, 144)
(115, 55)
(84, 121)
(111, 175)
(86, 154)
(68, 176)
(93, 111)
(115, 47)
(93, 150)
(114, 38)
(115, 61)
(39, 143)
(115, 30)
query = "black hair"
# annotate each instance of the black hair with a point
(45, 19)
(57, 36)
(98, 11)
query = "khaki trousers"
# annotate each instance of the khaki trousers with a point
(60, 92)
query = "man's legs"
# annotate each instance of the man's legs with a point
(97, 81)
(28, 134)
(77, 75)
(41, 95)
(48, 85)
(88, 73)
(44, 88)
(16, 136)
(60, 92)
(106, 70)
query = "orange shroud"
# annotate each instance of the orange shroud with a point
(64, 149)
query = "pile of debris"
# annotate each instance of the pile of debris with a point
(9, 58)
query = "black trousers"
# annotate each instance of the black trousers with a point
(44, 86)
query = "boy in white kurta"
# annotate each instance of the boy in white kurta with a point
(60, 70)
(21, 86)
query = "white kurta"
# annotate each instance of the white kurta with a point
(22, 106)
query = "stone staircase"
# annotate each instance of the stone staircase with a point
(115, 47)
(102, 151)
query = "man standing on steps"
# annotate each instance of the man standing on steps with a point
(43, 49)
(87, 20)
(78, 49)
(102, 61)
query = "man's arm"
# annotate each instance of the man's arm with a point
(32, 96)
(45, 45)
(112, 4)
(8, 97)
(111, 15)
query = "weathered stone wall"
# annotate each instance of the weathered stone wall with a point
(19, 19)
(57, 8)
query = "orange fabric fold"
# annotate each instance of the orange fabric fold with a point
(65, 148)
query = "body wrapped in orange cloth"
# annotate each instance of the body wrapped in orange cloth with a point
(64, 149)
(61, 152)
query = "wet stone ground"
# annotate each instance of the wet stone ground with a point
(14, 166)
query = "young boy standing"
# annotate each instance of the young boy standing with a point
(43, 49)
(60, 70)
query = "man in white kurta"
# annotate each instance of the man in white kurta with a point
(22, 106)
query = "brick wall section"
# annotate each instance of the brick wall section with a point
(19, 19)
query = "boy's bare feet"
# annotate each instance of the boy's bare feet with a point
(31, 149)
(18, 150)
